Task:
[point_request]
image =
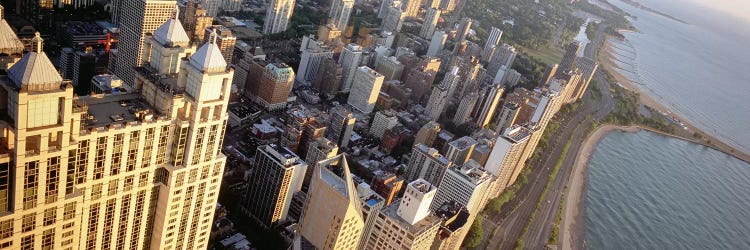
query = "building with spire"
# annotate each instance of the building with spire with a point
(11, 48)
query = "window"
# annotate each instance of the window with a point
(43, 112)
(70, 211)
(53, 178)
(27, 243)
(30, 184)
(28, 222)
(6, 229)
(48, 239)
(50, 216)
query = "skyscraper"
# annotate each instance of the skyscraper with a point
(212, 6)
(144, 187)
(492, 41)
(459, 150)
(504, 56)
(330, 76)
(505, 158)
(340, 12)
(313, 53)
(138, 17)
(383, 120)
(411, 9)
(588, 69)
(390, 68)
(277, 174)
(350, 58)
(340, 126)
(275, 84)
(427, 134)
(426, 163)
(387, 185)
(436, 103)
(393, 21)
(332, 216)
(570, 57)
(278, 14)
(488, 104)
(365, 89)
(225, 40)
(437, 43)
(408, 224)
(430, 22)
(465, 107)
(462, 32)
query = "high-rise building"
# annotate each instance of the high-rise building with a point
(225, 40)
(468, 185)
(454, 226)
(384, 5)
(383, 120)
(195, 18)
(436, 103)
(11, 48)
(365, 89)
(549, 73)
(430, 22)
(508, 115)
(570, 57)
(275, 83)
(138, 17)
(278, 14)
(448, 5)
(393, 21)
(144, 187)
(437, 43)
(488, 104)
(313, 53)
(232, 5)
(330, 75)
(340, 12)
(390, 68)
(319, 149)
(462, 32)
(387, 185)
(459, 150)
(212, 6)
(426, 163)
(277, 174)
(340, 126)
(427, 134)
(350, 59)
(492, 41)
(505, 158)
(332, 217)
(409, 224)
(588, 68)
(504, 56)
(329, 33)
(465, 107)
(411, 9)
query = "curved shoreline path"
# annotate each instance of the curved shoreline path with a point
(572, 228)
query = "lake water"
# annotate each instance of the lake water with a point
(647, 191)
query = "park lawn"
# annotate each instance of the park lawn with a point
(548, 55)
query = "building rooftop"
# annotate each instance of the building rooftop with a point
(423, 225)
(517, 134)
(114, 109)
(454, 215)
(171, 32)
(463, 143)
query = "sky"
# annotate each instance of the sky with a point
(737, 8)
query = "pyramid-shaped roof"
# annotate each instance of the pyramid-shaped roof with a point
(209, 57)
(9, 42)
(171, 32)
(34, 68)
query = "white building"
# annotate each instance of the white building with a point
(430, 22)
(426, 163)
(365, 89)
(383, 120)
(313, 53)
(278, 14)
(350, 59)
(437, 43)
(340, 12)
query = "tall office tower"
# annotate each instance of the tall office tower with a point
(488, 104)
(383, 120)
(549, 73)
(459, 150)
(430, 22)
(454, 226)
(115, 11)
(426, 163)
(195, 19)
(350, 59)
(310, 132)
(462, 32)
(504, 56)
(84, 68)
(468, 186)
(138, 18)
(548, 105)
(277, 174)
(390, 68)
(508, 115)
(393, 21)
(512, 77)
(319, 149)
(492, 41)
(387, 185)
(225, 40)
(313, 53)
(437, 43)
(278, 14)
(383, 10)
(588, 68)
(332, 217)
(568, 62)
(505, 158)
(465, 107)
(212, 6)
(276, 83)
(132, 176)
(340, 12)
(412, 8)
(365, 89)
(231, 5)
(436, 103)
(340, 126)
(371, 203)
(409, 224)
(329, 77)
(448, 5)
(427, 134)
(11, 48)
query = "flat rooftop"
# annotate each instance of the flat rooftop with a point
(112, 109)
(416, 229)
